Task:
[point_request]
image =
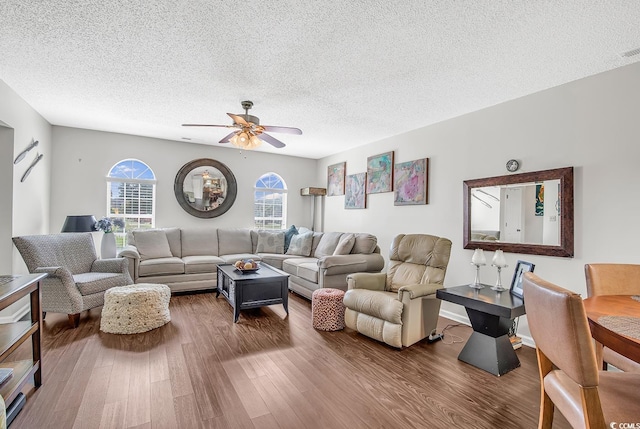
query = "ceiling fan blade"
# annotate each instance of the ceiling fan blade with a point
(271, 140)
(286, 130)
(238, 119)
(226, 138)
(208, 125)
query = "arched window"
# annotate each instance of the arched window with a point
(131, 197)
(270, 202)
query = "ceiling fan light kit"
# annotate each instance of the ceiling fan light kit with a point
(250, 134)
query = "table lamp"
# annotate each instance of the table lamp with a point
(499, 262)
(81, 223)
(478, 260)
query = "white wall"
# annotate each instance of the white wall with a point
(82, 159)
(590, 124)
(28, 201)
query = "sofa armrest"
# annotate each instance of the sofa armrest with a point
(130, 254)
(347, 264)
(370, 281)
(419, 290)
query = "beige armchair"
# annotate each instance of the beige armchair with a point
(400, 307)
(76, 279)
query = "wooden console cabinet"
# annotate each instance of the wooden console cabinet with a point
(12, 335)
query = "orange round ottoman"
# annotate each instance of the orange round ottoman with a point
(327, 310)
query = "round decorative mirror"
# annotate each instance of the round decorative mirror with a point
(205, 188)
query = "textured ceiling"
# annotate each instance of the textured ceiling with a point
(346, 72)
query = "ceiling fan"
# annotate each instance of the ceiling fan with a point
(249, 134)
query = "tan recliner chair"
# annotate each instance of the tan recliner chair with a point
(569, 374)
(400, 307)
(613, 279)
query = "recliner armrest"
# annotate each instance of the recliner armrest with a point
(419, 290)
(370, 281)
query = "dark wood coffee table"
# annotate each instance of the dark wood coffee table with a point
(490, 313)
(267, 286)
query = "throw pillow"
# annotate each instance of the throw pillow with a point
(345, 244)
(270, 242)
(287, 236)
(365, 243)
(152, 244)
(301, 244)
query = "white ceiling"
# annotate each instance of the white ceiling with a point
(346, 72)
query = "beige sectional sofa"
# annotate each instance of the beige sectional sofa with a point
(186, 259)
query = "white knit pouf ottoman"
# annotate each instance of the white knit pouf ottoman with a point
(135, 308)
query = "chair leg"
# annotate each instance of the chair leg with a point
(74, 320)
(545, 419)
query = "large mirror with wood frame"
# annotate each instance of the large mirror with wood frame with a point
(528, 213)
(205, 188)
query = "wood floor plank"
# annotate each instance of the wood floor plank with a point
(139, 397)
(247, 392)
(267, 371)
(113, 415)
(89, 415)
(163, 414)
(278, 406)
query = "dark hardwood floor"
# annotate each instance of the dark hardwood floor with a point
(267, 371)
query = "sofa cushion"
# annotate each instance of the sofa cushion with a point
(201, 264)
(152, 267)
(234, 241)
(287, 236)
(301, 244)
(231, 259)
(345, 244)
(199, 242)
(152, 244)
(327, 245)
(274, 259)
(365, 243)
(270, 241)
(306, 268)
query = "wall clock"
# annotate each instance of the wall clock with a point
(513, 165)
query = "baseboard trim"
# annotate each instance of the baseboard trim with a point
(17, 315)
(526, 340)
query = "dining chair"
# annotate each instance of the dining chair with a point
(613, 279)
(569, 375)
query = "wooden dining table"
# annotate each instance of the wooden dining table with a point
(601, 306)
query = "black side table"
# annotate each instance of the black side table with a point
(490, 313)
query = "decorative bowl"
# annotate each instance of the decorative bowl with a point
(248, 270)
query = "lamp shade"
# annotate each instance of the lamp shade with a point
(81, 223)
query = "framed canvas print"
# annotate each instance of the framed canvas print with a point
(335, 179)
(516, 283)
(410, 182)
(380, 173)
(355, 196)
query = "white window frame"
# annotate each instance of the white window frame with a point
(121, 236)
(283, 192)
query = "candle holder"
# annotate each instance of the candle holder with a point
(499, 262)
(478, 260)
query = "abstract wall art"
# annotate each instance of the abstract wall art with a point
(380, 173)
(335, 179)
(355, 196)
(411, 182)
